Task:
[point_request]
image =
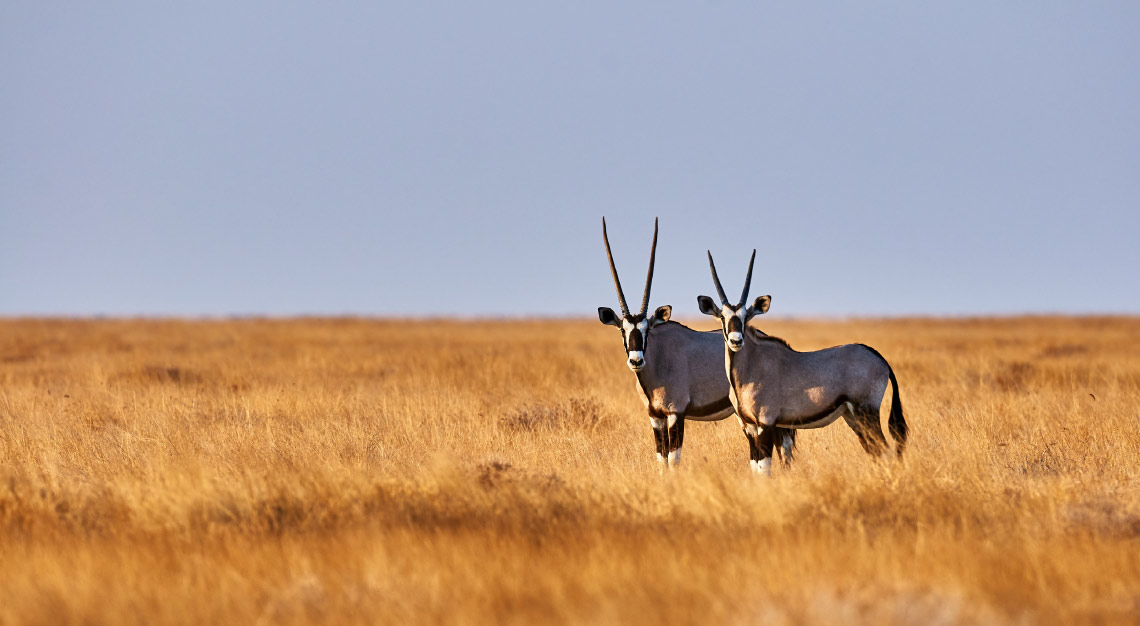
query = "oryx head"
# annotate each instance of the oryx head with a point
(732, 318)
(634, 328)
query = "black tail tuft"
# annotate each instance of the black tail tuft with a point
(896, 423)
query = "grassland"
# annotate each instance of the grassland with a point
(327, 471)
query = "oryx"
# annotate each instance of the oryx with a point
(774, 386)
(680, 374)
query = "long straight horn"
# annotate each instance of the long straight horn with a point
(716, 280)
(613, 270)
(747, 279)
(649, 277)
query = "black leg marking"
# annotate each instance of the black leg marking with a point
(677, 434)
(765, 441)
(753, 451)
(866, 426)
(659, 439)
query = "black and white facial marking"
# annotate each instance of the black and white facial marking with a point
(733, 318)
(635, 331)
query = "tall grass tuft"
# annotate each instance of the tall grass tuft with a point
(334, 471)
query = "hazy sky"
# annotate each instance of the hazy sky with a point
(457, 158)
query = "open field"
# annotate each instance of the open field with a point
(356, 471)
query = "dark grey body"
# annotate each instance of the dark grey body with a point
(774, 386)
(683, 374)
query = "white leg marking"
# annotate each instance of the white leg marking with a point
(657, 423)
(764, 466)
(750, 430)
(672, 420)
(662, 460)
(675, 457)
(752, 465)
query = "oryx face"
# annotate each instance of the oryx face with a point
(634, 327)
(733, 317)
(635, 331)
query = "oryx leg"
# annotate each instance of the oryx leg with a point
(766, 440)
(761, 441)
(866, 425)
(787, 441)
(660, 438)
(753, 451)
(675, 431)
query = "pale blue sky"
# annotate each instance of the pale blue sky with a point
(890, 158)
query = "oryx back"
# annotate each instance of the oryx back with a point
(778, 386)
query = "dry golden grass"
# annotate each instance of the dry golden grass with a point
(354, 471)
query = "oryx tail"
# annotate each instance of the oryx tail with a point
(896, 422)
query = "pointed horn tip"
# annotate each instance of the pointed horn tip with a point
(748, 279)
(613, 270)
(649, 276)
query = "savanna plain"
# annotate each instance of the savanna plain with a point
(329, 471)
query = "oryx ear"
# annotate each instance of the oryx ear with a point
(760, 306)
(608, 317)
(661, 315)
(707, 306)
